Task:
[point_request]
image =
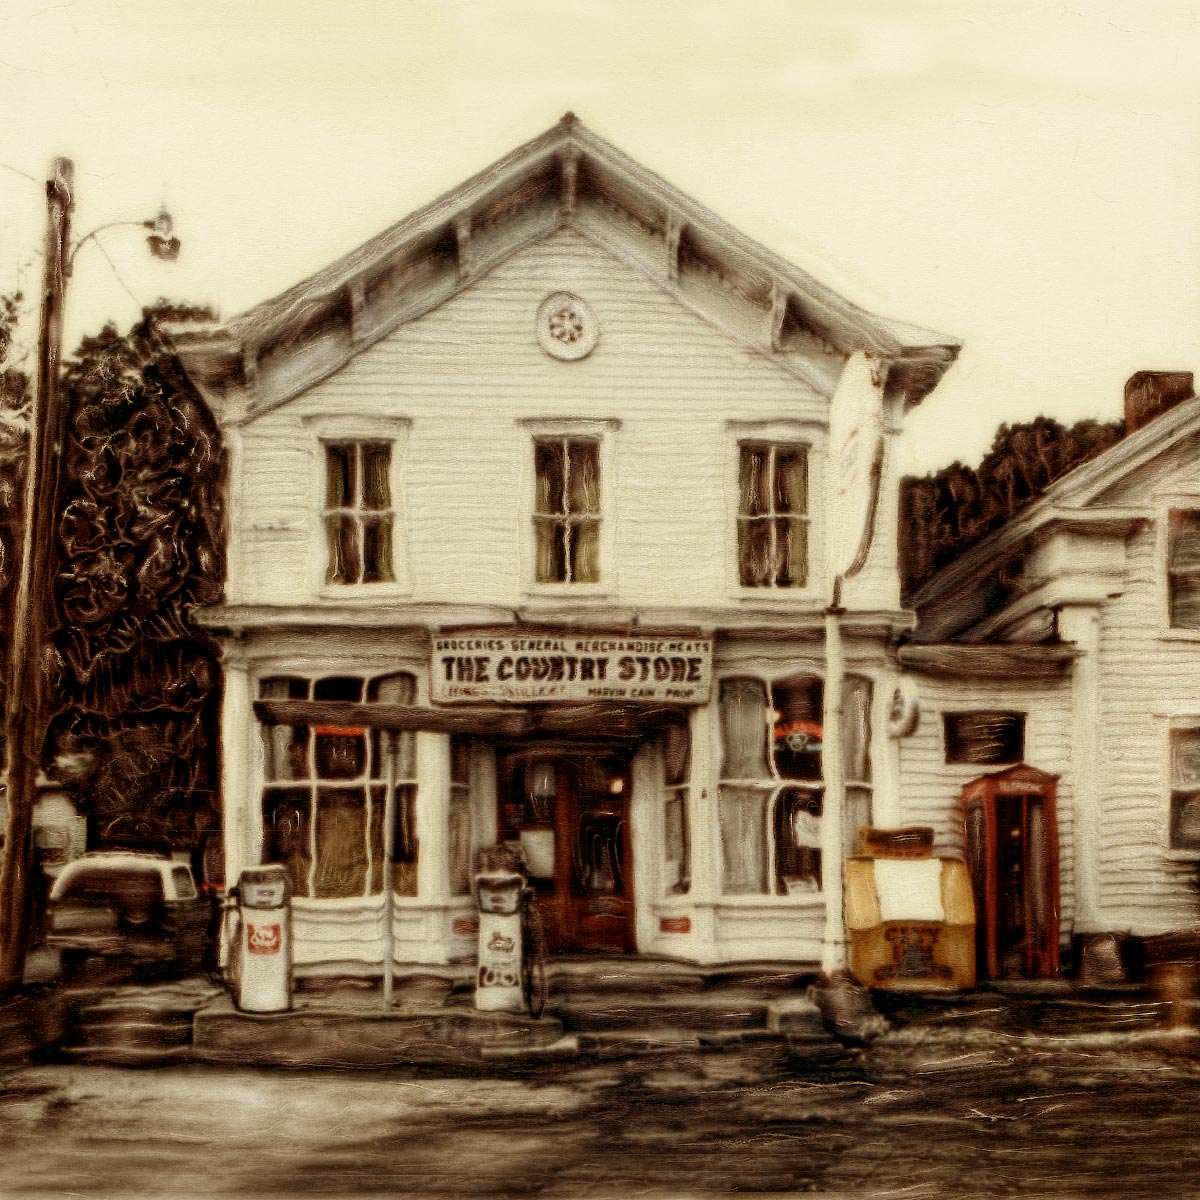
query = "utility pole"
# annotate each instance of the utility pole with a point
(27, 686)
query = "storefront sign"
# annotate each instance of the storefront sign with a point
(548, 667)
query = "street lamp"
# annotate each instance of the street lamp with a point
(26, 707)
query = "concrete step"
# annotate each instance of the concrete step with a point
(768, 979)
(133, 1033)
(620, 1011)
(627, 976)
(118, 1055)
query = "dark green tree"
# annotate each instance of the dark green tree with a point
(134, 736)
(945, 512)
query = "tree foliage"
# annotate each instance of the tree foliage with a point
(139, 548)
(14, 441)
(944, 513)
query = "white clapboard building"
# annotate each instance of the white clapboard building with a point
(561, 514)
(1069, 641)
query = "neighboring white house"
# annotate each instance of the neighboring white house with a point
(536, 506)
(1080, 621)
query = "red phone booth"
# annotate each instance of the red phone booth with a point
(1012, 852)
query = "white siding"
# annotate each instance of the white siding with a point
(930, 787)
(465, 375)
(1146, 678)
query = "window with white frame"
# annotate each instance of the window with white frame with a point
(358, 512)
(772, 517)
(566, 512)
(1185, 788)
(676, 754)
(327, 789)
(772, 792)
(1183, 569)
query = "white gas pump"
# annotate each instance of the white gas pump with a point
(498, 981)
(262, 975)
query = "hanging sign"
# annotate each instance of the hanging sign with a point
(855, 436)
(548, 667)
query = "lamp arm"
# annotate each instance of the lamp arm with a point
(87, 237)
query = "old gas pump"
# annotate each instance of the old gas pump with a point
(498, 983)
(262, 945)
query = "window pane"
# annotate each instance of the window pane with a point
(398, 688)
(286, 834)
(984, 738)
(377, 550)
(375, 833)
(1185, 541)
(548, 464)
(1185, 822)
(743, 821)
(404, 845)
(754, 473)
(345, 559)
(791, 552)
(744, 729)
(796, 737)
(460, 842)
(406, 754)
(341, 843)
(798, 841)
(583, 491)
(1185, 758)
(283, 687)
(856, 729)
(676, 843)
(285, 751)
(755, 554)
(341, 753)
(856, 813)
(376, 492)
(585, 552)
(340, 464)
(551, 550)
(791, 479)
(338, 687)
(677, 744)
(1185, 600)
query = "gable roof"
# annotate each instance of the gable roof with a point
(1070, 500)
(566, 176)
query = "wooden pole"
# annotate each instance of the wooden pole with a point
(391, 742)
(26, 700)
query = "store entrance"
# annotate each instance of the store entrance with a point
(568, 808)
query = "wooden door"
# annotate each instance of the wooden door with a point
(570, 811)
(1012, 850)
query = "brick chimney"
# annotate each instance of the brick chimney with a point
(1149, 394)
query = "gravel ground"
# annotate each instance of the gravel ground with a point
(917, 1117)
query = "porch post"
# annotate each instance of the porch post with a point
(833, 948)
(1080, 623)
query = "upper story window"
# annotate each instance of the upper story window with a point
(772, 519)
(358, 512)
(566, 514)
(1183, 569)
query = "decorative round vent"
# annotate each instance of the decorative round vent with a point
(566, 327)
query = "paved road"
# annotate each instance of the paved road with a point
(917, 1122)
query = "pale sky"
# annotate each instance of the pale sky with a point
(1022, 175)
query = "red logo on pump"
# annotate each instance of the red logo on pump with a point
(264, 939)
